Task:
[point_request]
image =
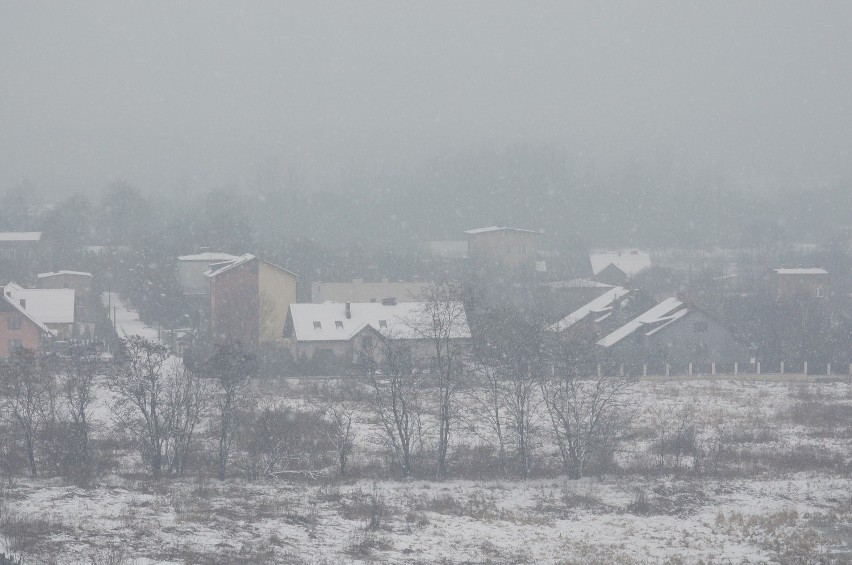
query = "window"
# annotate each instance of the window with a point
(819, 292)
(383, 323)
(14, 345)
(700, 327)
(317, 325)
(523, 248)
(338, 324)
(14, 322)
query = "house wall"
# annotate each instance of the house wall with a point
(277, 290)
(191, 276)
(28, 334)
(234, 305)
(85, 307)
(508, 249)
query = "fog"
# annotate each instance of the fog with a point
(200, 95)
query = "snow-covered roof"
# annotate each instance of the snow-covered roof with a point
(47, 305)
(599, 305)
(631, 261)
(665, 312)
(209, 257)
(328, 321)
(20, 236)
(14, 304)
(496, 228)
(578, 283)
(801, 271)
(222, 267)
(58, 273)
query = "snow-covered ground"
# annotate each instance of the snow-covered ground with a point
(785, 497)
(127, 320)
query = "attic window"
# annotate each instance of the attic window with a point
(317, 325)
(338, 324)
(383, 323)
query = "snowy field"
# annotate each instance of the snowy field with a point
(779, 492)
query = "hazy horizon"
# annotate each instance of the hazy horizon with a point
(202, 95)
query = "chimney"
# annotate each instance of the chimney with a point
(348, 310)
(23, 302)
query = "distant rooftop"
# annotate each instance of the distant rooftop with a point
(58, 273)
(813, 271)
(496, 228)
(601, 305)
(20, 236)
(211, 256)
(630, 261)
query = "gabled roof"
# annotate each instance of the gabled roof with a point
(15, 306)
(58, 273)
(328, 321)
(815, 271)
(601, 305)
(578, 283)
(20, 236)
(495, 229)
(47, 305)
(209, 257)
(630, 261)
(665, 312)
(219, 268)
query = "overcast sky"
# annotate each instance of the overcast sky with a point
(205, 94)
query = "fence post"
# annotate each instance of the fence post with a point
(828, 369)
(758, 367)
(621, 370)
(690, 369)
(668, 369)
(599, 370)
(644, 369)
(713, 368)
(850, 369)
(736, 368)
(782, 367)
(805, 369)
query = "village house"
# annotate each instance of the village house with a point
(618, 266)
(511, 250)
(798, 283)
(52, 307)
(672, 332)
(365, 291)
(341, 331)
(249, 300)
(18, 329)
(22, 253)
(192, 269)
(85, 305)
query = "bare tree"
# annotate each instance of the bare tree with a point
(487, 402)
(442, 322)
(27, 393)
(513, 344)
(140, 389)
(233, 368)
(338, 413)
(188, 397)
(392, 372)
(588, 415)
(79, 374)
